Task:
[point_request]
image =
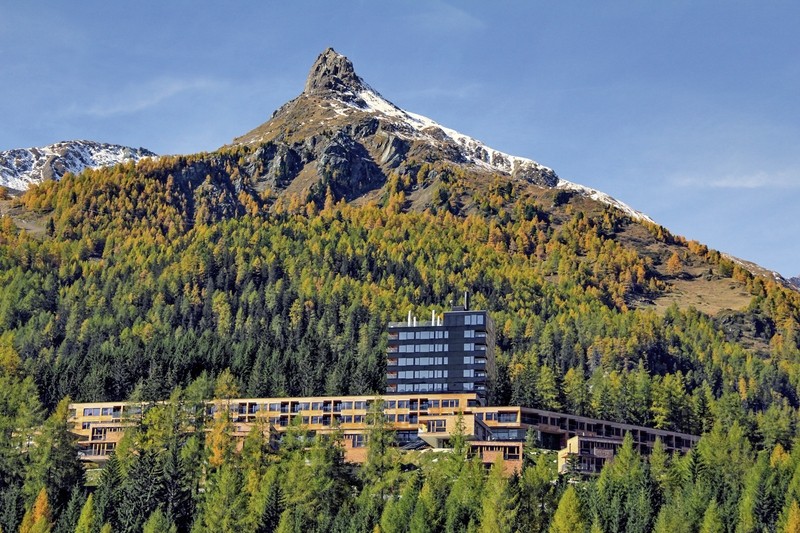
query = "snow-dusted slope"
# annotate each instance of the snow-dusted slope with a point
(22, 167)
(476, 152)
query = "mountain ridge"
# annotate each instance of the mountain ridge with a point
(22, 167)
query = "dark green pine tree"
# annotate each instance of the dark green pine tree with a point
(54, 461)
(177, 488)
(12, 507)
(69, 517)
(108, 493)
(398, 511)
(142, 491)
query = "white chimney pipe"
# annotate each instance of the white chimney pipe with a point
(409, 317)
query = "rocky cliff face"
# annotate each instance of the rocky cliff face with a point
(333, 73)
(341, 133)
(22, 167)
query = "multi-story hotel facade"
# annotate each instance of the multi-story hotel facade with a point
(451, 353)
(418, 421)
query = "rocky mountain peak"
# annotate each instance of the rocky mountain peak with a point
(333, 72)
(341, 127)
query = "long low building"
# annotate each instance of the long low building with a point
(419, 421)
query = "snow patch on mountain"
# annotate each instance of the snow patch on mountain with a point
(22, 167)
(604, 198)
(475, 151)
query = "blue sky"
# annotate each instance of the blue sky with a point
(687, 111)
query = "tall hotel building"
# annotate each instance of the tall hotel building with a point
(451, 353)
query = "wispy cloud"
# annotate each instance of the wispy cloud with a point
(753, 180)
(142, 96)
(442, 16)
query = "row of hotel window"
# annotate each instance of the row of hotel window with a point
(433, 387)
(346, 419)
(421, 374)
(425, 335)
(318, 406)
(295, 406)
(473, 320)
(338, 406)
(412, 335)
(425, 348)
(429, 361)
(359, 440)
(106, 411)
(435, 374)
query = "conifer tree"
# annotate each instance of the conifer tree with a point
(397, 513)
(712, 523)
(548, 389)
(108, 494)
(537, 495)
(86, 522)
(141, 492)
(219, 440)
(462, 507)
(380, 453)
(54, 460)
(38, 519)
(568, 517)
(674, 264)
(225, 504)
(158, 522)
(498, 505)
(792, 524)
(68, 519)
